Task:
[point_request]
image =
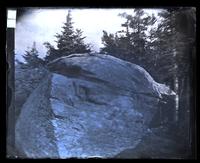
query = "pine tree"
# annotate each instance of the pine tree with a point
(80, 46)
(175, 46)
(52, 53)
(65, 40)
(68, 42)
(131, 42)
(31, 57)
(185, 22)
(109, 42)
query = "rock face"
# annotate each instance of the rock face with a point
(26, 80)
(88, 106)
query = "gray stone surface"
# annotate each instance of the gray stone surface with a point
(89, 106)
(26, 80)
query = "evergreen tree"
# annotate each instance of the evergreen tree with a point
(79, 45)
(110, 45)
(164, 49)
(184, 23)
(68, 42)
(174, 47)
(52, 53)
(31, 57)
(131, 42)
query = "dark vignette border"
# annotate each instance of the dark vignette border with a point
(4, 5)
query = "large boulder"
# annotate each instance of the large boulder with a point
(26, 80)
(88, 106)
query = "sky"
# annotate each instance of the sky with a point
(41, 25)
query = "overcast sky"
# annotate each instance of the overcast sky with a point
(41, 25)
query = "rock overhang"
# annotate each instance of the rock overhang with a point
(92, 113)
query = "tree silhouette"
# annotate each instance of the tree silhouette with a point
(68, 42)
(31, 57)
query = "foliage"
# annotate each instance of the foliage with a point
(31, 58)
(130, 43)
(68, 42)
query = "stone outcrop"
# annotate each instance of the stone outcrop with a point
(88, 106)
